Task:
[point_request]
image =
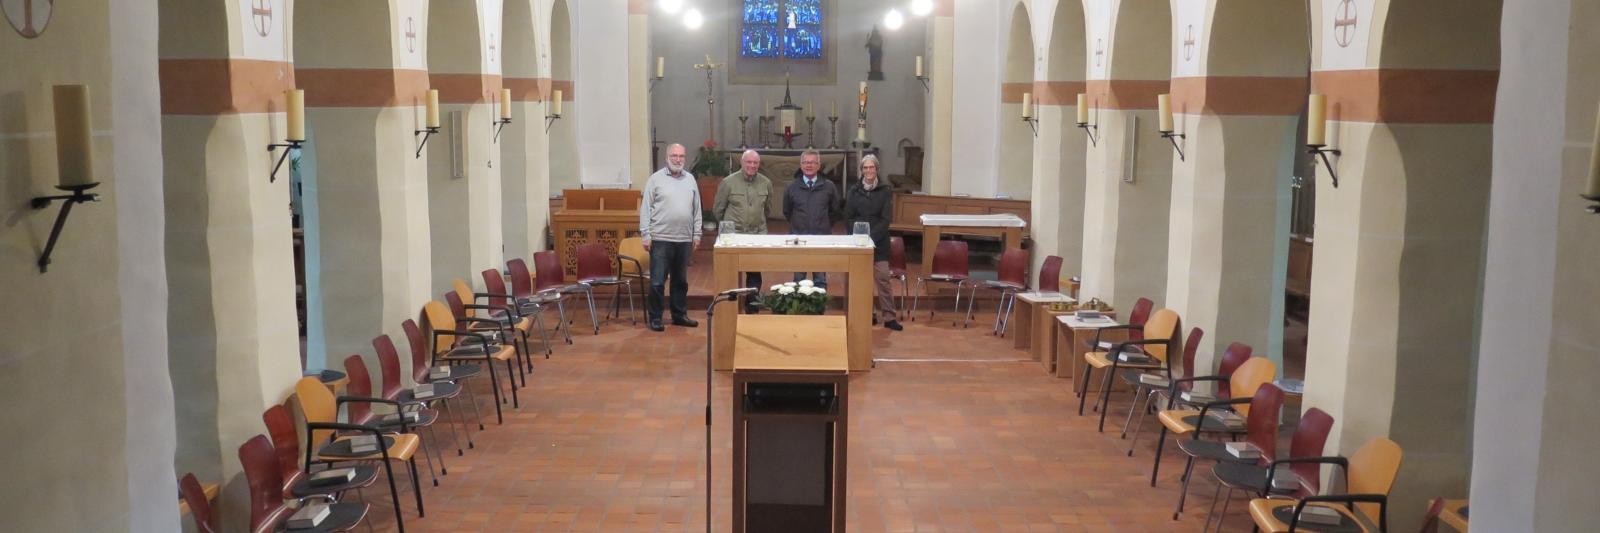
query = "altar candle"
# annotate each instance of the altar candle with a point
(835, 108)
(1164, 111)
(742, 112)
(766, 106)
(919, 66)
(555, 103)
(1317, 120)
(1083, 108)
(861, 134)
(505, 104)
(661, 67)
(74, 149)
(1593, 190)
(811, 109)
(433, 108)
(1027, 105)
(297, 115)
(863, 97)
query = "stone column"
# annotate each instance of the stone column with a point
(641, 67)
(1125, 222)
(524, 145)
(941, 101)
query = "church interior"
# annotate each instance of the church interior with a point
(1139, 265)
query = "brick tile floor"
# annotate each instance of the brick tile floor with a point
(610, 438)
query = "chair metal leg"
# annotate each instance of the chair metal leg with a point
(1183, 493)
(416, 485)
(510, 375)
(475, 414)
(1138, 394)
(631, 315)
(561, 313)
(915, 299)
(1105, 397)
(1161, 444)
(958, 304)
(544, 334)
(1083, 387)
(970, 301)
(1213, 510)
(594, 320)
(455, 420)
(427, 456)
(394, 496)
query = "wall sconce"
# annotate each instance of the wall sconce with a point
(297, 130)
(554, 105)
(1592, 192)
(922, 75)
(1027, 113)
(661, 72)
(432, 124)
(1164, 112)
(505, 114)
(74, 160)
(1083, 119)
(1317, 133)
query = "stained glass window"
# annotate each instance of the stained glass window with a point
(781, 28)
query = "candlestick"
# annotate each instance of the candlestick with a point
(833, 131)
(1083, 109)
(835, 113)
(505, 104)
(861, 134)
(555, 102)
(296, 115)
(661, 67)
(1164, 111)
(1317, 120)
(1027, 106)
(919, 66)
(742, 112)
(74, 148)
(433, 108)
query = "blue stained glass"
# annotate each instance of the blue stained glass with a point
(806, 11)
(761, 11)
(759, 41)
(765, 32)
(803, 42)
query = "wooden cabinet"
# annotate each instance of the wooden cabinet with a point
(605, 216)
(909, 208)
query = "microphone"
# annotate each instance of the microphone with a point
(733, 294)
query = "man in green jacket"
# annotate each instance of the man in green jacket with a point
(742, 198)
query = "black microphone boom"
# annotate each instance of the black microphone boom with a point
(735, 293)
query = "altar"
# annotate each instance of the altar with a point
(851, 254)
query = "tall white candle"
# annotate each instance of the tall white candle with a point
(863, 97)
(661, 67)
(919, 66)
(1593, 190)
(505, 104)
(433, 108)
(1083, 108)
(1164, 111)
(74, 148)
(555, 103)
(1317, 120)
(861, 134)
(1027, 105)
(742, 111)
(296, 115)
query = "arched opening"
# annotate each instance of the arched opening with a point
(463, 185)
(1016, 136)
(564, 163)
(1059, 159)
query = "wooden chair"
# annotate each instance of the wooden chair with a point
(495, 331)
(597, 268)
(324, 443)
(950, 265)
(451, 344)
(1296, 480)
(1236, 354)
(1369, 474)
(1146, 388)
(897, 266)
(1260, 431)
(1250, 376)
(531, 302)
(1136, 319)
(199, 506)
(359, 399)
(633, 263)
(502, 317)
(268, 510)
(459, 373)
(496, 295)
(1148, 353)
(444, 395)
(1012, 278)
(286, 442)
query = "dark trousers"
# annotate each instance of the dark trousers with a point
(669, 259)
(752, 279)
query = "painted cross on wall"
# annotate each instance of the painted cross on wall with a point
(1344, 23)
(28, 17)
(1188, 45)
(411, 35)
(261, 14)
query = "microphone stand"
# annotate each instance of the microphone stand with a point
(711, 323)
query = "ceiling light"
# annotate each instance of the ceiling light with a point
(692, 19)
(893, 19)
(921, 8)
(670, 6)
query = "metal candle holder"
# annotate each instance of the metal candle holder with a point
(743, 135)
(1170, 136)
(425, 133)
(77, 194)
(1033, 123)
(499, 124)
(833, 132)
(1322, 151)
(1091, 129)
(550, 119)
(811, 137)
(289, 144)
(766, 121)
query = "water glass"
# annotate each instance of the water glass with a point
(861, 228)
(727, 227)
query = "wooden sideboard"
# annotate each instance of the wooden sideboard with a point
(605, 216)
(909, 208)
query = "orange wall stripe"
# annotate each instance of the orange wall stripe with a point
(1124, 94)
(568, 91)
(1057, 92)
(1239, 95)
(223, 86)
(638, 7)
(526, 89)
(1409, 96)
(465, 88)
(353, 87)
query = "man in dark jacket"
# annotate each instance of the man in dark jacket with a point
(810, 204)
(873, 202)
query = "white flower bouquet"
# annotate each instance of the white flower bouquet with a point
(802, 298)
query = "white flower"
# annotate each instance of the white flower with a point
(785, 290)
(778, 286)
(789, 284)
(807, 290)
(806, 283)
(820, 290)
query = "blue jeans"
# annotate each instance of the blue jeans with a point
(820, 278)
(669, 260)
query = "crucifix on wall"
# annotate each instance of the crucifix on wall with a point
(711, 95)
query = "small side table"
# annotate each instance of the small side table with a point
(1028, 304)
(1073, 338)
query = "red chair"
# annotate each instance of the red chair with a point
(1295, 479)
(549, 277)
(421, 367)
(1232, 358)
(1148, 388)
(393, 390)
(497, 332)
(496, 296)
(1261, 431)
(595, 270)
(280, 426)
(950, 265)
(358, 400)
(1050, 274)
(530, 301)
(268, 510)
(897, 266)
(199, 507)
(1136, 319)
(1012, 279)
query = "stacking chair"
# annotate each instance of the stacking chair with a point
(1296, 480)
(1136, 319)
(530, 301)
(1012, 279)
(494, 331)
(502, 317)
(1243, 383)
(1159, 338)
(950, 265)
(897, 266)
(199, 507)
(1050, 274)
(325, 445)
(1369, 474)
(358, 410)
(633, 264)
(451, 345)
(597, 268)
(495, 295)
(549, 277)
(268, 510)
(422, 362)
(1236, 354)
(392, 390)
(1146, 389)
(286, 442)
(1260, 430)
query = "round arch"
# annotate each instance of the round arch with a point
(1016, 136)
(564, 163)
(1059, 155)
(524, 183)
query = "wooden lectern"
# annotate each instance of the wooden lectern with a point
(790, 421)
(605, 216)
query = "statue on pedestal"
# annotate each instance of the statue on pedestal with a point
(875, 55)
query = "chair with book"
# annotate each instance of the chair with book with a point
(502, 317)
(1012, 278)
(1136, 319)
(897, 266)
(1180, 418)
(1159, 337)
(199, 506)
(950, 265)
(497, 332)
(1294, 480)
(433, 397)
(1256, 416)
(596, 268)
(358, 400)
(530, 301)
(497, 296)
(331, 443)
(299, 482)
(1369, 474)
(1236, 354)
(633, 264)
(1145, 383)
(548, 277)
(268, 510)
(424, 372)
(452, 344)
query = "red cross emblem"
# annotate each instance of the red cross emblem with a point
(1344, 23)
(1188, 45)
(28, 17)
(1099, 51)
(261, 12)
(411, 35)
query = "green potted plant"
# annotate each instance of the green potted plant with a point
(796, 298)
